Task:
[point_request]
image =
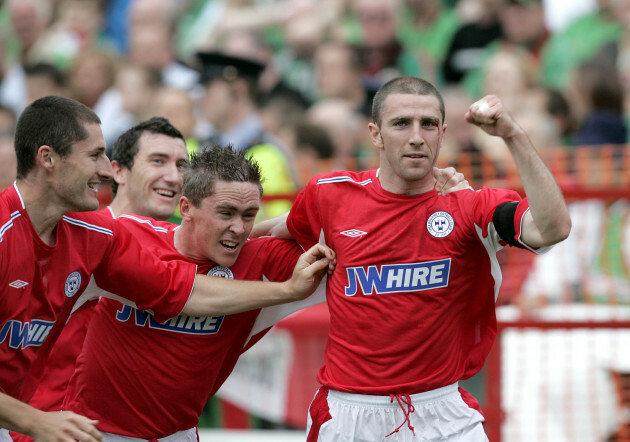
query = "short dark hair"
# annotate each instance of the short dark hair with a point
(54, 121)
(47, 70)
(404, 85)
(126, 146)
(218, 163)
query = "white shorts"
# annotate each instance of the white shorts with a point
(5, 436)
(436, 415)
(181, 436)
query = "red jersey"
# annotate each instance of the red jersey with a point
(412, 297)
(63, 356)
(41, 283)
(157, 377)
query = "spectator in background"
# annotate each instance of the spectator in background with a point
(302, 35)
(28, 19)
(8, 160)
(338, 74)
(426, 29)
(90, 81)
(509, 73)
(466, 48)
(371, 28)
(597, 99)
(251, 45)
(44, 79)
(177, 106)
(524, 30)
(130, 100)
(77, 26)
(312, 142)
(151, 34)
(280, 115)
(90, 76)
(581, 40)
(345, 126)
(230, 105)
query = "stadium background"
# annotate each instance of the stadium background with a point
(559, 370)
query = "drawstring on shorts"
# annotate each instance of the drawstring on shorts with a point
(406, 400)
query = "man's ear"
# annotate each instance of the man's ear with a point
(184, 208)
(46, 157)
(375, 135)
(120, 172)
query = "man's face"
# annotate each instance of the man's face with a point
(154, 183)
(216, 102)
(222, 223)
(77, 177)
(409, 138)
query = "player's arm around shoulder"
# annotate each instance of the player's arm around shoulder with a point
(218, 296)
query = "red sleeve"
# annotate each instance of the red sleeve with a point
(486, 202)
(279, 257)
(304, 222)
(135, 273)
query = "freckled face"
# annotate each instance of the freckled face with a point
(409, 138)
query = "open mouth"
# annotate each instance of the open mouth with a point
(231, 245)
(93, 186)
(165, 192)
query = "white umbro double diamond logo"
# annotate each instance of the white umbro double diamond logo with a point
(353, 233)
(18, 284)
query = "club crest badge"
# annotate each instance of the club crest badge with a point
(440, 224)
(73, 282)
(221, 272)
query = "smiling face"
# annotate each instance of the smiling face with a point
(76, 177)
(219, 227)
(409, 138)
(153, 186)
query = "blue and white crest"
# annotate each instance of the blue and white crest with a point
(440, 224)
(73, 282)
(221, 272)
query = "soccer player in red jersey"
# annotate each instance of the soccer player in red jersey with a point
(48, 255)
(412, 298)
(149, 380)
(148, 163)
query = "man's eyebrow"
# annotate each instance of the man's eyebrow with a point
(98, 149)
(233, 207)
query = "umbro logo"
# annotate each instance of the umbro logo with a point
(18, 284)
(353, 233)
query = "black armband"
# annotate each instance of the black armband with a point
(503, 220)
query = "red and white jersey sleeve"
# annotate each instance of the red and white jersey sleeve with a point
(412, 297)
(136, 272)
(41, 283)
(157, 376)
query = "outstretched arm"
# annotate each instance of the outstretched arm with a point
(54, 426)
(276, 227)
(214, 296)
(547, 222)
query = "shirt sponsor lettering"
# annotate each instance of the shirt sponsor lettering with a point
(27, 334)
(192, 325)
(398, 278)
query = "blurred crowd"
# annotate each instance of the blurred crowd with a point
(320, 63)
